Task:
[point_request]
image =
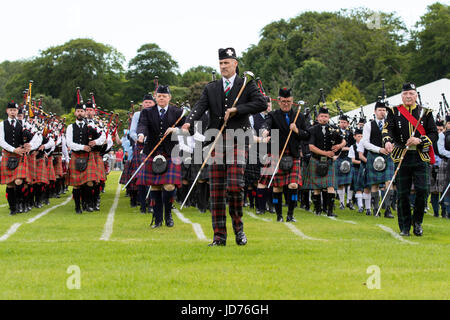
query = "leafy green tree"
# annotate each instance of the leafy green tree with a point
(348, 92)
(197, 74)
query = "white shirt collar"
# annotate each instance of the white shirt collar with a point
(165, 109)
(231, 80)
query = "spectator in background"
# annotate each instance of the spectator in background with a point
(119, 159)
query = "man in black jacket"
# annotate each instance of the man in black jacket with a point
(227, 179)
(283, 121)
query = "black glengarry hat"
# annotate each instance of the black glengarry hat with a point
(11, 105)
(409, 86)
(80, 106)
(227, 53)
(380, 104)
(285, 93)
(343, 117)
(163, 89)
(323, 110)
(148, 96)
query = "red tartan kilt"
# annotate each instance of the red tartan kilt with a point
(100, 166)
(50, 169)
(146, 177)
(31, 158)
(64, 167)
(76, 178)
(58, 166)
(125, 173)
(282, 178)
(9, 176)
(40, 174)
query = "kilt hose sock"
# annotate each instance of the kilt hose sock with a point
(167, 199)
(157, 206)
(324, 201)
(76, 194)
(11, 196)
(292, 201)
(261, 199)
(202, 195)
(376, 201)
(277, 200)
(316, 199)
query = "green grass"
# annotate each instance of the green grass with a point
(172, 263)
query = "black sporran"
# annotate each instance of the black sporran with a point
(322, 167)
(12, 163)
(81, 164)
(286, 163)
(159, 164)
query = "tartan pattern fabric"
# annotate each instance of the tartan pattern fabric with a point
(125, 173)
(313, 182)
(9, 176)
(50, 169)
(138, 157)
(101, 172)
(343, 178)
(378, 177)
(359, 178)
(204, 175)
(31, 160)
(303, 169)
(76, 178)
(40, 175)
(252, 174)
(146, 177)
(57, 164)
(412, 170)
(226, 179)
(282, 178)
(443, 176)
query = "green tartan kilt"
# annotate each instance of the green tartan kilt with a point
(343, 178)
(313, 182)
(374, 177)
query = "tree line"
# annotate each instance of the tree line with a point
(346, 53)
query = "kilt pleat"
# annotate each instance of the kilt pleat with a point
(443, 176)
(57, 163)
(125, 173)
(374, 177)
(313, 182)
(343, 178)
(50, 169)
(31, 158)
(101, 172)
(40, 175)
(281, 178)
(21, 172)
(76, 178)
(146, 177)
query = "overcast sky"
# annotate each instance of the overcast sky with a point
(190, 31)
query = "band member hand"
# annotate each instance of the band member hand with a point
(293, 127)
(140, 139)
(87, 148)
(20, 150)
(413, 141)
(229, 113)
(171, 130)
(185, 128)
(329, 154)
(92, 144)
(389, 147)
(384, 151)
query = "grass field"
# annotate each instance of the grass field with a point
(314, 258)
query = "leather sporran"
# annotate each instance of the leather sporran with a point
(12, 163)
(159, 164)
(322, 167)
(286, 163)
(81, 164)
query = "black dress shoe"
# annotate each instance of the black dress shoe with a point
(280, 219)
(143, 210)
(341, 206)
(78, 211)
(290, 219)
(217, 243)
(12, 212)
(169, 223)
(368, 213)
(388, 214)
(418, 231)
(241, 239)
(404, 233)
(332, 215)
(259, 212)
(156, 225)
(350, 206)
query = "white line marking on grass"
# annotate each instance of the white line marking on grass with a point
(11, 231)
(196, 226)
(346, 221)
(16, 226)
(40, 215)
(251, 214)
(394, 234)
(3, 205)
(294, 229)
(299, 233)
(108, 229)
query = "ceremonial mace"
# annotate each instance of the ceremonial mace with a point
(400, 163)
(186, 110)
(248, 77)
(285, 144)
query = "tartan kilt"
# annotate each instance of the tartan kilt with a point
(186, 172)
(313, 182)
(228, 175)
(40, 175)
(282, 178)
(374, 177)
(57, 164)
(31, 159)
(50, 169)
(252, 174)
(146, 177)
(343, 178)
(125, 173)
(9, 176)
(443, 176)
(135, 162)
(101, 172)
(359, 182)
(76, 178)
(204, 175)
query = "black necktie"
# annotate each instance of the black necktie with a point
(13, 122)
(163, 111)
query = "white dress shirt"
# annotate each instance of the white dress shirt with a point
(366, 136)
